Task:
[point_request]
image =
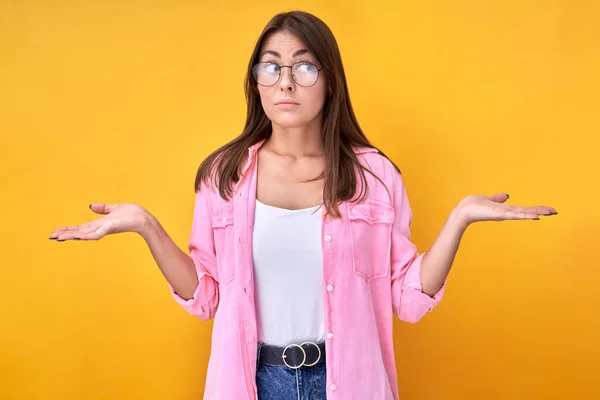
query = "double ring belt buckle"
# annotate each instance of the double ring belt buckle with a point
(303, 363)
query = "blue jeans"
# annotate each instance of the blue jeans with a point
(276, 382)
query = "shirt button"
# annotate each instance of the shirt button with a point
(330, 287)
(328, 238)
(329, 335)
(333, 387)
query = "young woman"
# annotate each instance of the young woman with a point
(300, 246)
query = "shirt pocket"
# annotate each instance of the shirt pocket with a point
(224, 236)
(371, 237)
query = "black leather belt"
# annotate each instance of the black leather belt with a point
(294, 356)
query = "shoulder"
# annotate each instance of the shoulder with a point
(208, 195)
(383, 178)
(379, 164)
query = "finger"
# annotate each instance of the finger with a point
(75, 228)
(552, 210)
(62, 230)
(499, 197)
(91, 233)
(66, 235)
(511, 214)
(101, 208)
(67, 228)
(539, 210)
(542, 210)
(72, 231)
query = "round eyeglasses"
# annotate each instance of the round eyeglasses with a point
(269, 73)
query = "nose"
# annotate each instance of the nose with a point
(286, 82)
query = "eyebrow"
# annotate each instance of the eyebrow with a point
(276, 54)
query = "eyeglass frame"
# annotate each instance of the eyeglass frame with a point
(291, 68)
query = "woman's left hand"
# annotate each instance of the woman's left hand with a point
(493, 208)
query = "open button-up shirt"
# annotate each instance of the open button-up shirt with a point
(371, 272)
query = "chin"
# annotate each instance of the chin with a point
(290, 121)
(289, 124)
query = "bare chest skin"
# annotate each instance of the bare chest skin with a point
(281, 181)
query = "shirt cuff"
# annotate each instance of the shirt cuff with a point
(203, 299)
(413, 288)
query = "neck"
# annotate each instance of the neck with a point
(297, 141)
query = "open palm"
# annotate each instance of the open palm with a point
(493, 208)
(118, 218)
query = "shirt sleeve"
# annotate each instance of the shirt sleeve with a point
(201, 248)
(409, 302)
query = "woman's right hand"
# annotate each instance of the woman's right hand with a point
(118, 218)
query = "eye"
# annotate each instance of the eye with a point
(306, 67)
(270, 68)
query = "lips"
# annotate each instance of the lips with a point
(286, 101)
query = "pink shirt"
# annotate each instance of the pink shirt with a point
(371, 271)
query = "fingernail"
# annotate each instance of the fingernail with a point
(60, 240)
(52, 238)
(507, 195)
(76, 238)
(536, 218)
(90, 206)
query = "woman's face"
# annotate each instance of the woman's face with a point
(304, 96)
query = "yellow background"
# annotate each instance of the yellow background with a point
(119, 101)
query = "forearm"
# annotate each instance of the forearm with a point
(176, 266)
(437, 261)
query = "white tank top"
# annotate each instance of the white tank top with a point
(288, 275)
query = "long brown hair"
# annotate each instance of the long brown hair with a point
(340, 131)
